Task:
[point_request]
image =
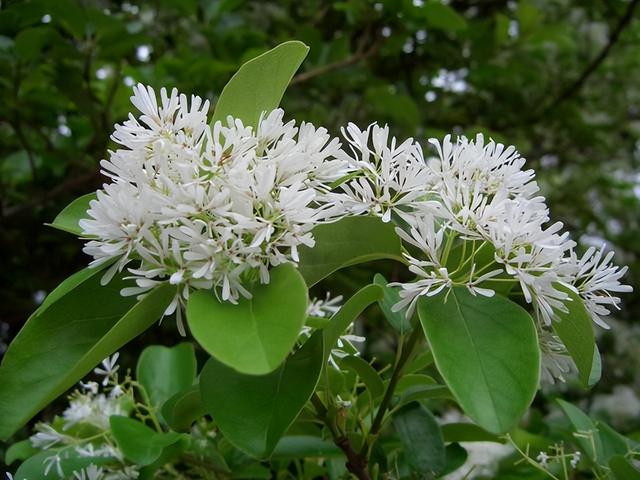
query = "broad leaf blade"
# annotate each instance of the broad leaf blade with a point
(61, 344)
(421, 438)
(575, 329)
(487, 352)
(139, 443)
(259, 84)
(254, 411)
(347, 242)
(165, 371)
(67, 220)
(184, 408)
(255, 335)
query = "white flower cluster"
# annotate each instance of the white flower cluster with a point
(473, 217)
(83, 430)
(208, 206)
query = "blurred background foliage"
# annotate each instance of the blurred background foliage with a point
(556, 78)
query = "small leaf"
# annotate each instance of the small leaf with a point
(19, 451)
(255, 335)
(259, 84)
(184, 408)
(588, 438)
(344, 317)
(139, 443)
(398, 320)
(164, 372)
(575, 329)
(349, 241)
(33, 468)
(366, 372)
(421, 438)
(596, 368)
(455, 456)
(67, 220)
(486, 349)
(61, 343)
(254, 411)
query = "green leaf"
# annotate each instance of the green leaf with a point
(588, 438)
(67, 220)
(366, 372)
(139, 443)
(596, 368)
(62, 343)
(33, 468)
(455, 456)
(486, 349)
(443, 17)
(258, 86)
(181, 410)
(424, 392)
(421, 438)
(467, 432)
(305, 446)
(255, 335)
(164, 372)
(575, 329)
(19, 451)
(622, 468)
(347, 242)
(398, 320)
(252, 411)
(344, 317)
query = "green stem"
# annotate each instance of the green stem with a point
(405, 352)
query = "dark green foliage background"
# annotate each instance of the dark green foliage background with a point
(556, 78)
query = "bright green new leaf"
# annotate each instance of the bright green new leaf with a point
(71, 461)
(67, 220)
(347, 242)
(398, 320)
(255, 335)
(62, 343)
(589, 439)
(259, 84)
(164, 372)
(19, 451)
(486, 349)
(254, 411)
(421, 438)
(139, 443)
(181, 410)
(344, 317)
(366, 372)
(575, 329)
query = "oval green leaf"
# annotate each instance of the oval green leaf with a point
(255, 335)
(259, 84)
(184, 408)
(421, 438)
(166, 371)
(254, 411)
(349, 241)
(67, 220)
(62, 343)
(486, 349)
(575, 329)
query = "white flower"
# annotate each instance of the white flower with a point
(556, 363)
(387, 176)
(108, 369)
(91, 472)
(203, 207)
(543, 459)
(91, 409)
(51, 462)
(47, 437)
(575, 459)
(324, 308)
(596, 278)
